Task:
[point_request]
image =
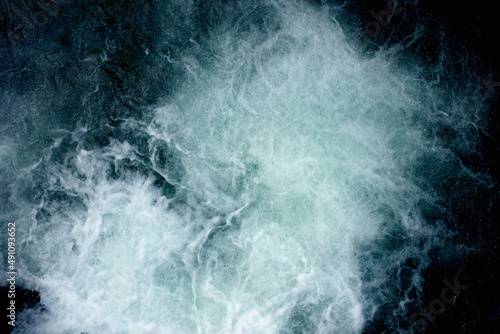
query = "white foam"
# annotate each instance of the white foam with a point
(292, 146)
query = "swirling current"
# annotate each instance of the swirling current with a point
(271, 166)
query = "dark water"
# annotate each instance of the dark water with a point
(250, 166)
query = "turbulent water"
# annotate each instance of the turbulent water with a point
(246, 168)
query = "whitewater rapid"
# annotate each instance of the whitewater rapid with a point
(290, 183)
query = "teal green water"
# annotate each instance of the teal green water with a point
(299, 177)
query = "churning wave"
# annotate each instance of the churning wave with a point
(248, 167)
